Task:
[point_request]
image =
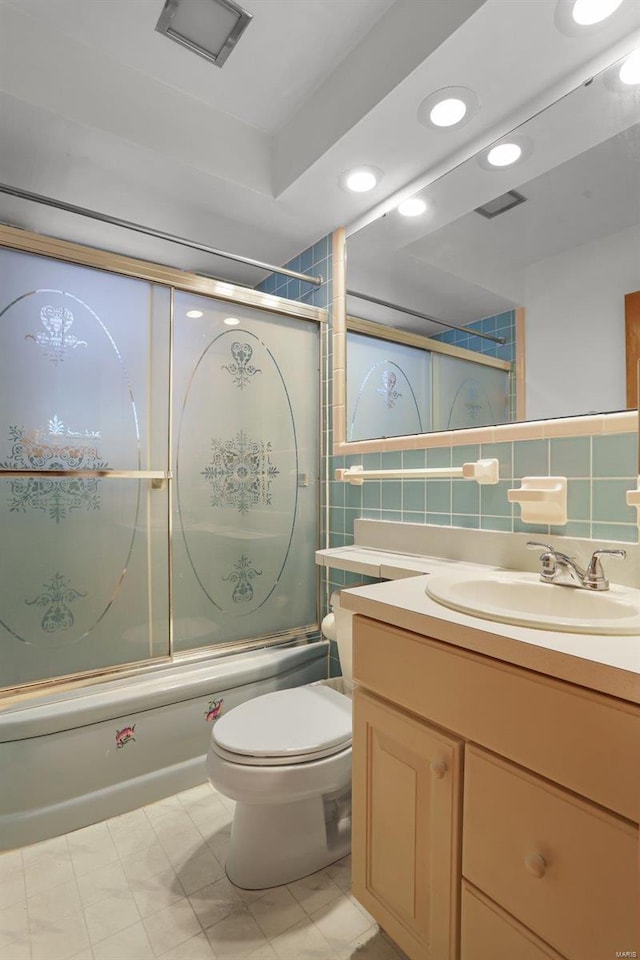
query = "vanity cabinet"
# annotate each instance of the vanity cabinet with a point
(495, 808)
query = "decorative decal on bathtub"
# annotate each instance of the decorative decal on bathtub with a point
(242, 575)
(58, 448)
(240, 473)
(56, 341)
(125, 735)
(213, 710)
(387, 390)
(241, 369)
(57, 596)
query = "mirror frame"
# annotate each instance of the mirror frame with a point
(624, 421)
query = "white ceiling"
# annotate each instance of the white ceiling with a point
(286, 53)
(98, 109)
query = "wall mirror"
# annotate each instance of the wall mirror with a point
(539, 254)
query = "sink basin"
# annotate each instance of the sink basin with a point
(522, 598)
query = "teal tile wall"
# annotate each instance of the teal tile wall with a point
(316, 261)
(599, 470)
(500, 325)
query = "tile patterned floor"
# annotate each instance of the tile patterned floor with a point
(151, 884)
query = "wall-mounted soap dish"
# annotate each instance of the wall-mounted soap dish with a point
(633, 500)
(542, 500)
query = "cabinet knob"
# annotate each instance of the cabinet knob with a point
(535, 864)
(438, 769)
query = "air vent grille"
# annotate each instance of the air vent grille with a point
(506, 201)
(210, 28)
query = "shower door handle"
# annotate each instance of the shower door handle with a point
(91, 474)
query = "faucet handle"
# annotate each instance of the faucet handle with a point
(550, 552)
(548, 558)
(533, 545)
(619, 554)
(594, 576)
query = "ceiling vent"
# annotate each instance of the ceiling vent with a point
(506, 201)
(210, 28)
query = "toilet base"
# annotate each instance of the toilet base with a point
(274, 844)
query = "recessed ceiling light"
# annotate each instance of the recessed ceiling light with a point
(360, 179)
(194, 314)
(587, 12)
(630, 69)
(448, 107)
(448, 112)
(231, 321)
(514, 148)
(504, 154)
(577, 18)
(412, 207)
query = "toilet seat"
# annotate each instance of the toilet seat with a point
(279, 761)
(291, 726)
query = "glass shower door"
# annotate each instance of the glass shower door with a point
(246, 452)
(84, 359)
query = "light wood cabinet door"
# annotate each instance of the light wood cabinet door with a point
(406, 827)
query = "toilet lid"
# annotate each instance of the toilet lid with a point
(288, 723)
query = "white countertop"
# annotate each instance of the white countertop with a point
(385, 564)
(609, 664)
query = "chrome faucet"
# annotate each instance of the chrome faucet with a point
(565, 571)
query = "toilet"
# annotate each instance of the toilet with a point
(285, 758)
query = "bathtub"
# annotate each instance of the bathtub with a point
(76, 757)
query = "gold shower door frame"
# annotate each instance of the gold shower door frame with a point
(33, 243)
